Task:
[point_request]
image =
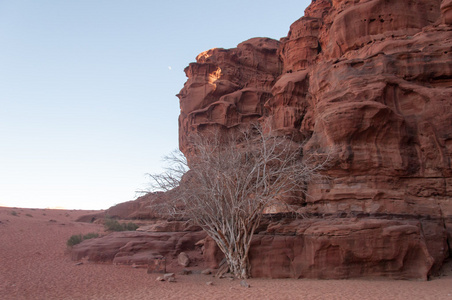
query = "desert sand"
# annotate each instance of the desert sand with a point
(35, 264)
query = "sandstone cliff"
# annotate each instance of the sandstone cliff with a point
(373, 80)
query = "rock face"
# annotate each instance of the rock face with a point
(227, 87)
(371, 79)
(135, 209)
(342, 248)
(138, 248)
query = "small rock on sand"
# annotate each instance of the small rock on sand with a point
(183, 259)
(244, 284)
(186, 272)
(206, 272)
(167, 276)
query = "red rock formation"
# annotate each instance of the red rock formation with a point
(446, 11)
(371, 79)
(139, 248)
(134, 209)
(219, 94)
(332, 249)
(339, 248)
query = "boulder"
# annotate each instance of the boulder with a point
(183, 259)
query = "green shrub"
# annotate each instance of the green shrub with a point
(130, 226)
(74, 240)
(28, 215)
(90, 235)
(78, 238)
(14, 213)
(114, 225)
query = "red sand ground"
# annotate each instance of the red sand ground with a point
(35, 264)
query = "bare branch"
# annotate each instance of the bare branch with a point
(230, 180)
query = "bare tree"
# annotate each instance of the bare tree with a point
(229, 181)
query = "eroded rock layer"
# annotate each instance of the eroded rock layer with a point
(138, 247)
(370, 80)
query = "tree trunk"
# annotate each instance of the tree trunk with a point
(238, 265)
(236, 253)
(235, 244)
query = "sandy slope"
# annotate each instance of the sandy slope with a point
(34, 264)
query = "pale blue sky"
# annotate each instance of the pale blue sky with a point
(87, 89)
